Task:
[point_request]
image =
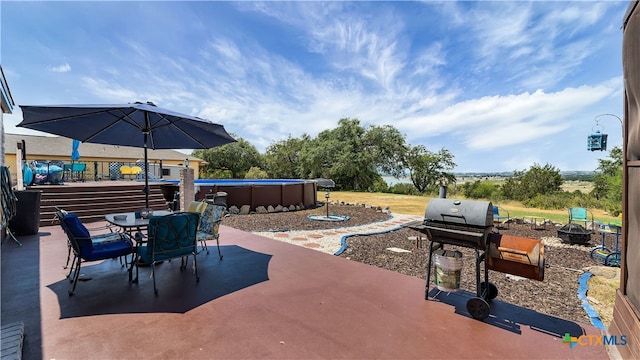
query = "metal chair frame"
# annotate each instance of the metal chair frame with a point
(59, 214)
(169, 237)
(125, 248)
(213, 222)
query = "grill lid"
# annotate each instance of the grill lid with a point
(464, 212)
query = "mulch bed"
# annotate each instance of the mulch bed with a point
(556, 295)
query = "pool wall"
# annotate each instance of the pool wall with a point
(263, 192)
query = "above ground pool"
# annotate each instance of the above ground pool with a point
(254, 192)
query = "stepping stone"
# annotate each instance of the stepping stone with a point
(398, 250)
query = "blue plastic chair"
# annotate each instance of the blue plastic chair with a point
(169, 237)
(580, 214)
(498, 218)
(88, 248)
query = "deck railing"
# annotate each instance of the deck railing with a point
(90, 171)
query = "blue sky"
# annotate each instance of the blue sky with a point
(502, 85)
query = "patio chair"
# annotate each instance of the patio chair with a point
(130, 171)
(105, 237)
(499, 218)
(169, 237)
(87, 248)
(581, 215)
(209, 225)
(135, 170)
(196, 207)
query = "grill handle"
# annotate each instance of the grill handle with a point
(454, 216)
(513, 251)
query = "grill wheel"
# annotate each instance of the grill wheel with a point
(490, 293)
(478, 308)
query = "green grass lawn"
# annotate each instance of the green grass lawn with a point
(416, 205)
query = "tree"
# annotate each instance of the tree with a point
(256, 173)
(352, 155)
(234, 159)
(538, 180)
(428, 170)
(479, 189)
(607, 185)
(282, 158)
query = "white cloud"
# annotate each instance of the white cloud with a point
(478, 78)
(506, 119)
(60, 68)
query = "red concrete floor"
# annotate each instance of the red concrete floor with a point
(265, 300)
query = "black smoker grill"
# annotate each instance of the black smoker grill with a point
(464, 223)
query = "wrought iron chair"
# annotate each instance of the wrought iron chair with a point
(96, 239)
(169, 237)
(88, 248)
(209, 226)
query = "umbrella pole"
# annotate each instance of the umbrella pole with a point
(146, 175)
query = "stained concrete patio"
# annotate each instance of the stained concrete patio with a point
(265, 299)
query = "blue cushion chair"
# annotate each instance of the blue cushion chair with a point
(88, 248)
(209, 225)
(61, 213)
(169, 237)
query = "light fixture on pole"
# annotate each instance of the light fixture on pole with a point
(598, 140)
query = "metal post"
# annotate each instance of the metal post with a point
(443, 191)
(326, 196)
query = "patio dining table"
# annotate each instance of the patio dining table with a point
(129, 221)
(132, 221)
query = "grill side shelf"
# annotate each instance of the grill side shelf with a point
(456, 231)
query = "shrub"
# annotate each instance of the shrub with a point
(557, 200)
(379, 185)
(480, 190)
(403, 188)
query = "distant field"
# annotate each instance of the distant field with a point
(584, 186)
(569, 186)
(416, 205)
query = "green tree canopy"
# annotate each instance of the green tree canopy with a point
(429, 170)
(282, 158)
(231, 160)
(538, 180)
(607, 184)
(352, 155)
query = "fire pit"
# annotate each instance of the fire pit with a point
(574, 234)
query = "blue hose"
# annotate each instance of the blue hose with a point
(582, 296)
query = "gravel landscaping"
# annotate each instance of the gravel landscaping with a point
(556, 295)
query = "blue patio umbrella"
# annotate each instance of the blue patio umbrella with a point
(75, 154)
(136, 124)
